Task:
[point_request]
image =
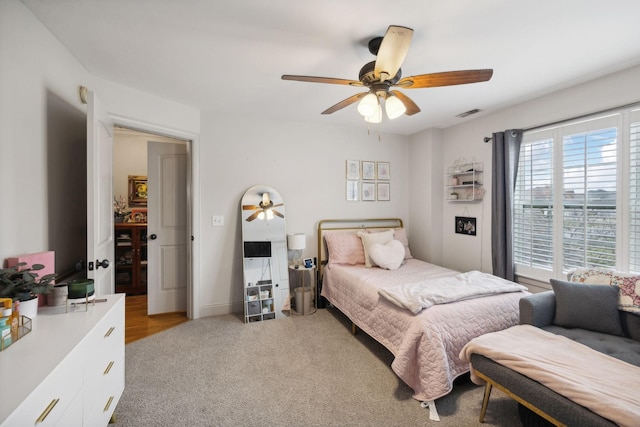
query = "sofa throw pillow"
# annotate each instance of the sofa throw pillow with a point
(369, 239)
(627, 283)
(388, 256)
(591, 307)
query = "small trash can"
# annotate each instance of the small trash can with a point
(303, 300)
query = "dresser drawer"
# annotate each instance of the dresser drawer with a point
(50, 400)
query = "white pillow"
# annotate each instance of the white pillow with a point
(369, 239)
(388, 256)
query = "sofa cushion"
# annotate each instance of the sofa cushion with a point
(622, 348)
(591, 307)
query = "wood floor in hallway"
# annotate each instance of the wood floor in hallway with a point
(138, 324)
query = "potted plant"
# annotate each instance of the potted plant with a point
(23, 284)
(453, 195)
(119, 209)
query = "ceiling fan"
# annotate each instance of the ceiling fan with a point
(264, 210)
(384, 73)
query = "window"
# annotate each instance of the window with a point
(576, 201)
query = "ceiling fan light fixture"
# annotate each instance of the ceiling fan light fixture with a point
(269, 214)
(376, 117)
(394, 107)
(368, 105)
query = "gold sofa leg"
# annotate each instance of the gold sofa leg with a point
(485, 400)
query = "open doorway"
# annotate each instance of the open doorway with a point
(142, 251)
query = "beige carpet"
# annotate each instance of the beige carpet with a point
(299, 371)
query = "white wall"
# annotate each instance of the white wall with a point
(305, 164)
(37, 76)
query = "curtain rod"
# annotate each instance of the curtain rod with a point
(583, 116)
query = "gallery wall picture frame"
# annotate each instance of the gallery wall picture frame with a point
(353, 169)
(353, 191)
(138, 190)
(466, 225)
(384, 191)
(368, 170)
(368, 191)
(383, 171)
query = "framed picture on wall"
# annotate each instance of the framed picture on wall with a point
(384, 171)
(466, 225)
(384, 190)
(368, 191)
(137, 190)
(353, 169)
(353, 191)
(368, 170)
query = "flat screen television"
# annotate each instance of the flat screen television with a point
(257, 249)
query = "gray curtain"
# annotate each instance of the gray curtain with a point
(506, 152)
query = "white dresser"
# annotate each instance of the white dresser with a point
(69, 371)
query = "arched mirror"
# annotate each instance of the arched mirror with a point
(264, 244)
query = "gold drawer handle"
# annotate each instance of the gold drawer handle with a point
(46, 412)
(106, 407)
(111, 329)
(109, 366)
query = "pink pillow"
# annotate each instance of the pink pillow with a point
(344, 248)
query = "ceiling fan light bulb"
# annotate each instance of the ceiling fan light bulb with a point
(394, 107)
(269, 214)
(368, 104)
(261, 215)
(376, 117)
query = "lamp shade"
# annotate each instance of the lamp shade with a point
(368, 105)
(376, 117)
(394, 107)
(296, 242)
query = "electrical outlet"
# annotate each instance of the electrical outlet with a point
(217, 220)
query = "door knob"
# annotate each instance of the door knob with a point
(153, 237)
(104, 263)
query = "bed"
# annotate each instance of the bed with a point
(426, 345)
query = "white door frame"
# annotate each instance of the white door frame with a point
(193, 203)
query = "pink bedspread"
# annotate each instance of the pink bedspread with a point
(426, 346)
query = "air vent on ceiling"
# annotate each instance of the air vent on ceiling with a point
(468, 113)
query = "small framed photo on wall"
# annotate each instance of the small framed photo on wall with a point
(384, 171)
(368, 191)
(466, 225)
(384, 191)
(353, 191)
(353, 169)
(368, 170)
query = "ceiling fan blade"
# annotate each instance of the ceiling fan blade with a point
(279, 204)
(277, 213)
(344, 103)
(393, 50)
(253, 216)
(411, 106)
(250, 207)
(329, 80)
(447, 78)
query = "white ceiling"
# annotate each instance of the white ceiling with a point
(229, 55)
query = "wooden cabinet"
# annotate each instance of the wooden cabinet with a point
(69, 371)
(463, 182)
(131, 258)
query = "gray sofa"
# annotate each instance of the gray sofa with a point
(610, 331)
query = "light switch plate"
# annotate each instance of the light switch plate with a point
(217, 220)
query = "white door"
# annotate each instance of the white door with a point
(99, 197)
(167, 228)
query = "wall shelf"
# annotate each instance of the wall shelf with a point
(464, 182)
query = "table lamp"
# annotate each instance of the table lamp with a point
(297, 242)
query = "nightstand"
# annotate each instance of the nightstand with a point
(303, 296)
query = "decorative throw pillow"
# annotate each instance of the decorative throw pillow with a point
(401, 235)
(628, 285)
(388, 256)
(369, 239)
(344, 248)
(591, 307)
